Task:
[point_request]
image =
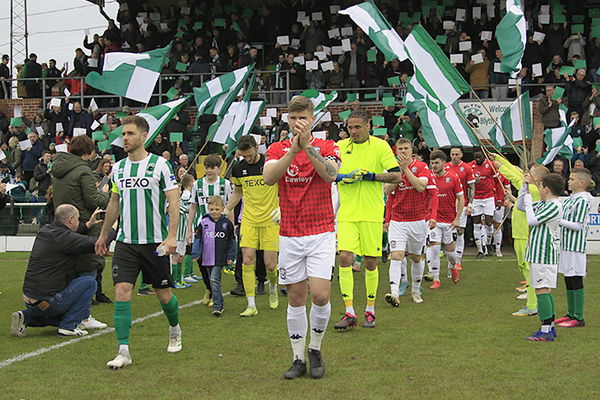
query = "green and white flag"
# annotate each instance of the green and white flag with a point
(320, 100)
(435, 81)
(157, 117)
(559, 143)
(511, 34)
(216, 95)
(368, 17)
(446, 128)
(131, 75)
(510, 123)
(562, 112)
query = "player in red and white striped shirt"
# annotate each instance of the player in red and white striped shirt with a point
(484, 203)
(305, 167)
(411, 202)
(465, 173)
(451, 201)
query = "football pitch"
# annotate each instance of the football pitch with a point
(461, 343)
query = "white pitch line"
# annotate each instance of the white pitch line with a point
(25, 356)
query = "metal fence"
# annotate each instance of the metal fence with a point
(264, 90)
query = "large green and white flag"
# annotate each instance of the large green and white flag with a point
(320, 100)
(559, 143)
(216, 95)
(511, 34)
(435, 81)
(157, 117)
(446, 128)
(509, 123)
(131, 75)
(368, 17)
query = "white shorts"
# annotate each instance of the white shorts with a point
(499, 214)
(408, 236)
(180, 247)
(572, 263)
(302, 257)
(462, 223)
(543, 275)
(484, 206)
(443, 233)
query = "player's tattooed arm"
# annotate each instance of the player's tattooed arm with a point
(388, 177)
(325, 168)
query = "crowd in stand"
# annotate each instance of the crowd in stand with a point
(211, 39)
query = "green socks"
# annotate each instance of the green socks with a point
(171, 310)
(545, 306)
(188, 266)
(578, 296)
(122, 319)
(176, 272)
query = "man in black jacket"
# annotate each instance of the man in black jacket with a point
(5, 75)
(50, 298)
(33, 70)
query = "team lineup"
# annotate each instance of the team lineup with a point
(308, 199)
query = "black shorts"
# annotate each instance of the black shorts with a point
(130, 259)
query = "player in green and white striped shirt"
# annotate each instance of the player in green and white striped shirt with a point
(573, 243)
(202, 189)
(144, 191)
(543, 217)
(183, 250)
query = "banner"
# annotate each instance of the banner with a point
(478, 116)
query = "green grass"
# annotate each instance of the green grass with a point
(461, 343)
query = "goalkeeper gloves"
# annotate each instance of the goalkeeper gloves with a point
(356, 176)
(276, 215)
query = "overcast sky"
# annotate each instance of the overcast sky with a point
(72, 16)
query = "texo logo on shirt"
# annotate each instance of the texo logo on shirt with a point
(133, 183)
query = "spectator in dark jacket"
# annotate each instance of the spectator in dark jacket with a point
(54, 115)
(199, 66)
(54, 73)
(50, 297)
(159, 145)
(74, 183)
(80, 62)
(548, 108)
(577, 91)
(41, 174)
(31, 156)
(112, 33)
(79, 118)
(33, 70)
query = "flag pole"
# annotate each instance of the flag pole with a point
(193, 163)
(509, 140)
(526, 167)
(475, 132)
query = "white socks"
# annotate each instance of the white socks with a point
(433, 256)
(395, 272)
(297, 327)
(498, 238)
(124, 349)
(490, 233)
(460, 246)
(416, 270)
(251, 302)
(477, 236)
(175, 330)
(403, 271)
(452, 258)
(319, 318)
